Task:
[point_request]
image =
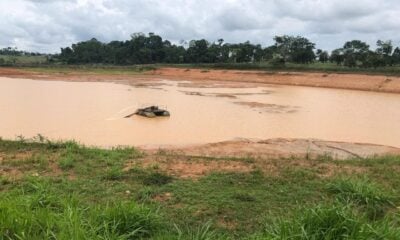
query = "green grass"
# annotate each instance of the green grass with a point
(37, 212)
(363, 193)
(329, 223)
(63, 190)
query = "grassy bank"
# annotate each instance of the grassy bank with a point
(68, 191)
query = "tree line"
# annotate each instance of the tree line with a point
(151, 48)
(10, 51)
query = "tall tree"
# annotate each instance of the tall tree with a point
(296, 49)
(355, 53)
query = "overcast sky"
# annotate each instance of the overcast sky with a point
(47, 25)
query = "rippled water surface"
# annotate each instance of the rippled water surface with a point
(93, 113)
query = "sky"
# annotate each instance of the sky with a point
(47, 25)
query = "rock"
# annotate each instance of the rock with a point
(151, 112)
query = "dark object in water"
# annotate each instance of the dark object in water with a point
(151, 112)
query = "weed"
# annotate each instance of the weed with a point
(127, 220)
(66, 163)
(113, 173)
(202, 232)
(157, 178)
(244, 197)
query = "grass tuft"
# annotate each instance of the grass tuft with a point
(113, 173)
(202, 232)
(329, 223)
(66, 163)
(127, 220)
(363, 193)
(157, 178)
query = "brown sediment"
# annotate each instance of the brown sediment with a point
(377, 83)
(223, 95)
(271, 108)
(225, 78)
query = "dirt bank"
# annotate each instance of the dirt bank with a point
(230, 78)
(286, 148)
(342, 81)
(269, 156)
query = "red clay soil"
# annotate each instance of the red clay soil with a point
(233, 78)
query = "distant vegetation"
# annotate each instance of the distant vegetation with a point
(12, 56)
(150, 49)
(291, 52)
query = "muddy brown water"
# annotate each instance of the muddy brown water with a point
(93, 113)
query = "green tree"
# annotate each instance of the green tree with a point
(295, 49)
(384, 47)
(384, 50)
(198, 51)
(396, 56)
(322, 56)
(337, 56)
(355, 53)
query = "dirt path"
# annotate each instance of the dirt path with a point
(230, 78)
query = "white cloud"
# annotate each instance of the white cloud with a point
(47, 25)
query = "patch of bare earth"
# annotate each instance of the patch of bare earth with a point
(288, 148)
(343, 81)
(163, 197)
(20, 164)
(188, 167)
(271, 156)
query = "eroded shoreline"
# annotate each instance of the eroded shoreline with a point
(226, 78)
